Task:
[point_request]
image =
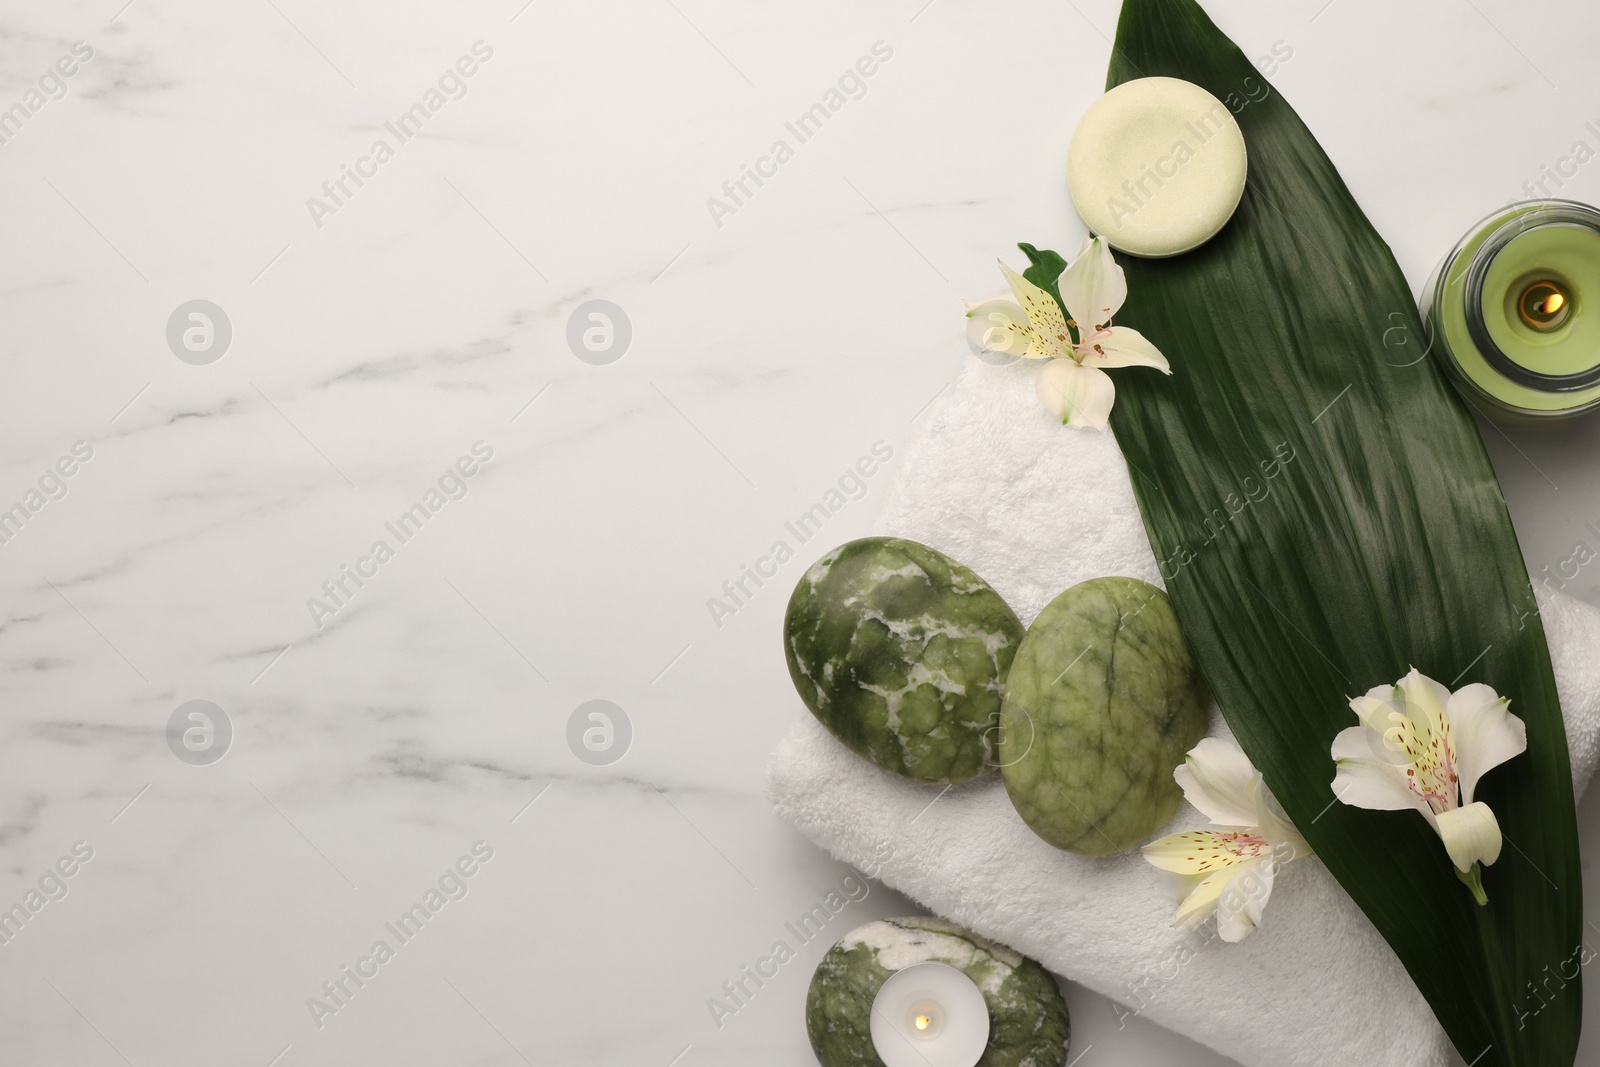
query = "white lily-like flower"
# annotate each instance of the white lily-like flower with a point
(1421, 746)
(1228, 870)
(1079, 349)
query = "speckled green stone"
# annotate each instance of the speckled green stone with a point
(901, 652)
(1028, 1022)
(1103, 701)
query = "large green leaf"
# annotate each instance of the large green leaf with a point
(1383, 543)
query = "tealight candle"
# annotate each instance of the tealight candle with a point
(929, 1015)
(1511, 311)
(1157, 166)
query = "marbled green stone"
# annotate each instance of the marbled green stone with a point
(1103, 701)
(902, 652)
(1028, 1022)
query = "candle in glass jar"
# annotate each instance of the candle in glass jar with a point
(929, 1015)
(1514, 311)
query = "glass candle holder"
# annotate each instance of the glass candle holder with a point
(1513, 312)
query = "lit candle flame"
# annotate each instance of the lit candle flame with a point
(922, 1022)
(1544, 306)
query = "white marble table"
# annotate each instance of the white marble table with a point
(381, 332)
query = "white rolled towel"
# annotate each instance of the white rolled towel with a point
(1034, 507)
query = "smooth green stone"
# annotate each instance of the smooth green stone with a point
(902, 652)
(1028, 1022)
(1103, 701)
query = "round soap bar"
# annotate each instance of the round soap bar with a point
(901, 652)
(1028, 1021)
(1103, 701)
(1156, 167)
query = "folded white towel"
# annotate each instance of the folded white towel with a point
(1034, 508)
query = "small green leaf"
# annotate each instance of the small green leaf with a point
(1045, 267)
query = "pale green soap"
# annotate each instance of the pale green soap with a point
(902, 653)
(1028, 1021)
(1103, 701)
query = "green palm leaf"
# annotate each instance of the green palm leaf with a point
(1384, 543)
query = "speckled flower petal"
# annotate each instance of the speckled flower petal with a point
(1423, 735)
(1427, 695)
(1049, 325)
(1203, 851)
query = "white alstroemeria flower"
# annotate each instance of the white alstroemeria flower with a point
(1074, 385)
(1227, 870)
(1421, 746)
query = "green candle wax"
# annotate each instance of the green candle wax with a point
(1515, 311)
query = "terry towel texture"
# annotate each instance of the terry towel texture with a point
(1035, 508)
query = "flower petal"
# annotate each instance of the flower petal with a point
(1217, 778)
(1274, 825)
(1486, 734)
(1365, 782)
(1470, 834)
(1242, 900)
(1078, 396)
(1375, 708)
(1122, 346)
(1000, 325)
(1200, 852)
(1355, 743)
(1201, 895)
(1376, 739)
(1093, 287)
(1049, 325)
(1424, 696)
(1199, 898)
(1421, 731)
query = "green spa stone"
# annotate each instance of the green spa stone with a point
(1028, 1022)
(1103, 701)
(901, 652)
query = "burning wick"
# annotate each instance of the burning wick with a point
(1544, 305)
(926, 1018)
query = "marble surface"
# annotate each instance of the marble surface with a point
(411, 734)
